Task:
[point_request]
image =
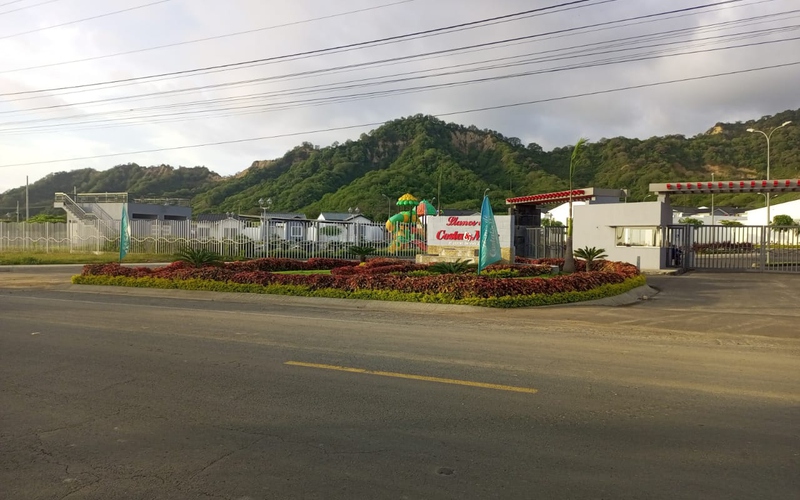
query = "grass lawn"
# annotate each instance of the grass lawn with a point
(27, 258)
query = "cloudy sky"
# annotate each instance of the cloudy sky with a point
(78, 78)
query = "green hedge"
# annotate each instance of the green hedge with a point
(304, 291)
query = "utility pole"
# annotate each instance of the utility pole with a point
(17, 211)
(27, 206)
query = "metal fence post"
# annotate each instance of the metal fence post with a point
(763, 254)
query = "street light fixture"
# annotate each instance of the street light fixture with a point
(265, 206)
(389, 201)
(712, 201)
(768, 136)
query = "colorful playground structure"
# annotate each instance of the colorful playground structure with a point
(407, 226)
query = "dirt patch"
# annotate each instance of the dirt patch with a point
(22, 280)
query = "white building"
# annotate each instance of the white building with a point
(561, 212)
(758, 216)
(344, 227)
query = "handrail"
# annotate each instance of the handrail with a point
(102, 197)
(74, 207)
(96, 208)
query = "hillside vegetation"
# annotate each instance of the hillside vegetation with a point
(431, 158)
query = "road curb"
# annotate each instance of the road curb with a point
(628, 298)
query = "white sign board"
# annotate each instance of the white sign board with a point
(460, 231)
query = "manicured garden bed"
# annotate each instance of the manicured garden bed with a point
(521, 285)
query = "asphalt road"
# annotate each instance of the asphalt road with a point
(148, 394)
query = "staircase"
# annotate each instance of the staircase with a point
(95, 223)
(68, 204)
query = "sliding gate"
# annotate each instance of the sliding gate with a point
(734, 248)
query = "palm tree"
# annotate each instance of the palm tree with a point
(590, 254)
(569, 261)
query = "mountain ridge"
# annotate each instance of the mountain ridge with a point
(455, 163)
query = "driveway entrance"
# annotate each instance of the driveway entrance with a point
(734, 248)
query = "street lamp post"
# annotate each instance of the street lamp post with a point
(768, 136)
(389, 206)
(265, 206)
(712, 201)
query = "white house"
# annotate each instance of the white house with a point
(758, 216)
(703, 214)
(345, 227)
(561, 212)
(220, 226)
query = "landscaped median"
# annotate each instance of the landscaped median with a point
(524, 285)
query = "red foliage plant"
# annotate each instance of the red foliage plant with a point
(352, 277)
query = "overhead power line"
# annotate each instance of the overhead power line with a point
(69, 23)
(662, 50)
(407, 58)
(26, 7)
(357, 45)
(341, 48)
(206, 39)
(451, 113)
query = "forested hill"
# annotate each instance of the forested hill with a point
(160, 181)
(414, 154)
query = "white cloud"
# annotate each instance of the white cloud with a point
(686, 108)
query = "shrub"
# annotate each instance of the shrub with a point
(457, 267)
(414, 280)
(565, 297)
(362, 252)
(722, 246)
(198, 257)
(590, 254)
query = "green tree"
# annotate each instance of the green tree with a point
(47, 218)
(782, 220)
(690, 221)
(727, 222)
(550, 222)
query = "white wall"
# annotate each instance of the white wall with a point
(706, 218)
(464, 231)
(595, 226)
(561, 212)
(758, 216)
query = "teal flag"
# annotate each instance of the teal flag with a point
(489, 251)
(124, 233)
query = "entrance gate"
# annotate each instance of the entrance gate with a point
(733, 248)
(543, 242)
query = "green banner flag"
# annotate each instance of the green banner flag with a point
(124, 233)
(489, 250)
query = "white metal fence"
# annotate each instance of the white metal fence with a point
(288, 238)
(742, 248)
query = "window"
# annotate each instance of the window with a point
(296, 231)
(230, 233)
(637, 237)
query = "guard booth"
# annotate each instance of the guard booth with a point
(531, 239)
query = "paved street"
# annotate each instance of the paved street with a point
(120, 393)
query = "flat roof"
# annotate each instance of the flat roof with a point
(738, 186)
(564, 196)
